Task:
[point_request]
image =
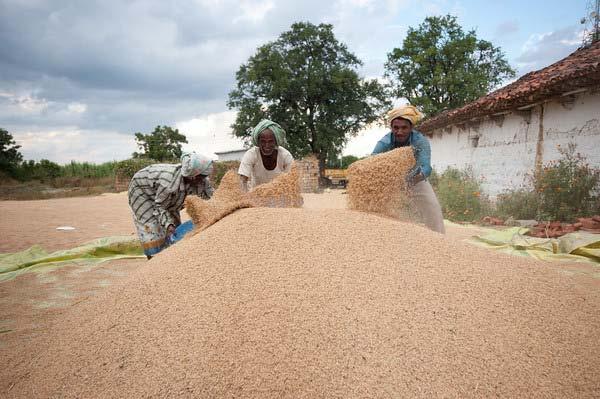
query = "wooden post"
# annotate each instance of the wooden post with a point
(539, 150)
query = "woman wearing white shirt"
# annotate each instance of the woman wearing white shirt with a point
(267, 158)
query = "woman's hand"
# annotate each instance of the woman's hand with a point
(171, 230)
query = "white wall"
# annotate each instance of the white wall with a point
(506, 149)
(232, 156)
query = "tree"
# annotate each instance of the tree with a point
(163, 144)
(341, 163)
(440, 67)
(307, 82)
(348, 160)
(10, 157)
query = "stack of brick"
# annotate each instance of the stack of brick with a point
(558, 229)
(308, 168)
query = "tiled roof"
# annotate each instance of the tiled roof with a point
(579, 70)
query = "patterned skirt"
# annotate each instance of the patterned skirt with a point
(152, 236)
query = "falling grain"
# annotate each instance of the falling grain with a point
(282, 192)
(377, 184)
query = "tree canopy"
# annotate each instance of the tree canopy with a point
(441, 67)
(163, 144)
(10, 156)
(307, 81)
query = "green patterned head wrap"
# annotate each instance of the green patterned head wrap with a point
(274, 127)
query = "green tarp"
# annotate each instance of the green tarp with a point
(91, 253)
(579, 246)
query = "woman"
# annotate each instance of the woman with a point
(401, 122)
(156, 195)
(267, 158)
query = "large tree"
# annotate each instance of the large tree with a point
(10, 156)
(441, 67)
(163, 144)
(306, 81)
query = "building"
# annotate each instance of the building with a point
(233, 155)
(515, 130)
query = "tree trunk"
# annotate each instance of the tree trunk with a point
(323, 183)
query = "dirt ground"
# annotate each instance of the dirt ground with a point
(31, 301)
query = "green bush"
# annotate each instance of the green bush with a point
(88, 170)
(43, 170)
(460, 196)
(129, 167)
(567, 188)
(219, 170)
(519, 204)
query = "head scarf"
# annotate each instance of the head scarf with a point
(275, 128)
(408, 112)
(193, 164)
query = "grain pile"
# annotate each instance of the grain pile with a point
(377, 184)
(281, 192)
(226, 199)
(272, 303)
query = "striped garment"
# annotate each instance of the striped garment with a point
(156, 195)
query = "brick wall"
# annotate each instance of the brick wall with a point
(309, 174)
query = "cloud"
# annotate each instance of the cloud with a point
(365, 141)
(73, 144)
(253, 11)
(76, 108)
(24, 103)
(507, 28)
(541, 50)
(210, 133)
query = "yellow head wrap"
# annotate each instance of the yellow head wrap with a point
(409, 112)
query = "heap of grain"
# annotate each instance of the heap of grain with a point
(282, 192)
(271, 303)
(377, 184)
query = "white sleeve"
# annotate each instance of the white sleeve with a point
(288, 160)
(247, 163)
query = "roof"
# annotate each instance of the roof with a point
(579, 70)
(230, 151)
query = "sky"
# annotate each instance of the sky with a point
(79, 78)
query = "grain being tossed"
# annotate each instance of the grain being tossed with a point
(422, 198)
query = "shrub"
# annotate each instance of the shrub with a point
(519, 204)
(219, 170)
(460, 196)
(128, 167)
(567, 188)
(89, 170)
(43, 170)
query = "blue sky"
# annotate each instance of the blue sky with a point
(79, 78)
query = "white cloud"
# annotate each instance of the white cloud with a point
(76, 108)
(366, 4)
(69, 143)
(210, 133)
(365, 141)
(253, 11)
(541, 50)
(507, 28)
(27, 103)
